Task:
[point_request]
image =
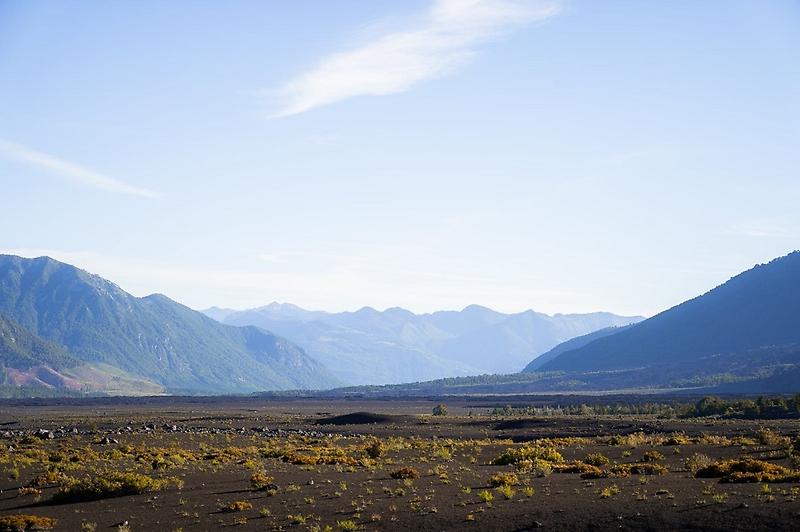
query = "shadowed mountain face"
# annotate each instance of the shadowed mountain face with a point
(21, 349)
(753, 314)
(98, 333)
(571, 344)
(372, 347)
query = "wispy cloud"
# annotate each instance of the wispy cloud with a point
(442, 40)
(760, 228)
(69, 170)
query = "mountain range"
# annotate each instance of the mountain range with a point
(64, 327)
(745, 329)
(395, 345)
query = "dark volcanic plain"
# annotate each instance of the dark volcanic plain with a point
(293, 464)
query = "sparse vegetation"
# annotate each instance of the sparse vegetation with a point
(426, 472)
(24, 522)
(748, 470)
(109, 483)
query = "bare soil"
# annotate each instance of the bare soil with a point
(328, 471)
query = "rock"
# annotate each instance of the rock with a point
(43, 434)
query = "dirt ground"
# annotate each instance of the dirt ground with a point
(297, 465)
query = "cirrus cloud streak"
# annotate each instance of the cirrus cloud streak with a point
(69, 170)
(442, 40)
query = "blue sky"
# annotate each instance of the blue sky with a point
(563, 156)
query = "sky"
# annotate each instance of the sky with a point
(565, 156)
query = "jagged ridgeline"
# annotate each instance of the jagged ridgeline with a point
(64, 327)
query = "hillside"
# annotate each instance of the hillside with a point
(393, 346)
(571, 344)
(751, 313)
(152, 339)
(21, 349)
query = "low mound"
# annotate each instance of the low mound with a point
(362, 418)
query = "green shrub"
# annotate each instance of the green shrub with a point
(528, 452)
(506, 491)
(503, 479)
(440, 410)
(748, 470)
(106, 484)
(596, 459)
(486, 496)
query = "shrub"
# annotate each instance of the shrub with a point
(609, 491)
(592, 472)
(596, 459)
(633, 440)
(440, 410)
(503, 479)
(528, 452)
(22, 522)
(506, 491)
(748, 470)
(298, 519)
(536, 467)
(697, 462)
(652, 456)
(260, 481)
(404, 473)
(645, 468)
(766, 436)
(486, 496)
(106, 484)
(236, 506)
(347, 524)
(576, 466)
(374, 450)
(677, 439)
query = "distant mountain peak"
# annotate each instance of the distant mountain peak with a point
(368, 346)
(143, 340)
